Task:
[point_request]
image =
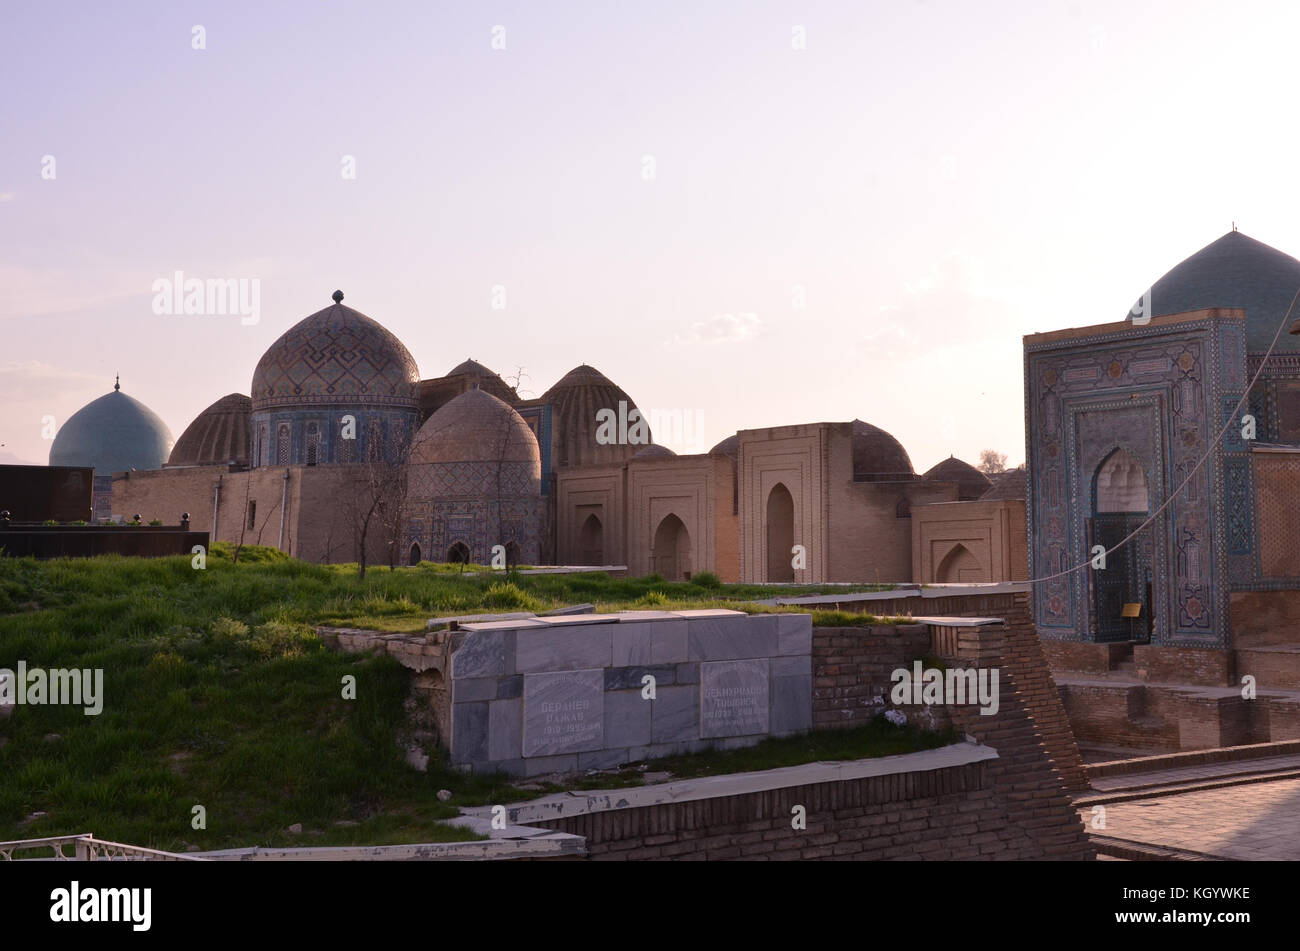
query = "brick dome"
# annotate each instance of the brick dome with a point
(337, 356)
(575, 400)
(654, 451)
(971, 483)
(219, 434)
(728, 447)
(878, 456)
(476, 427)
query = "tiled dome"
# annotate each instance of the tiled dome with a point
(575, 400)
(219, 434)
(115, 433)
(336, 356)
(878, 456)
(971, 483)
(476, 427)
(1234, 271)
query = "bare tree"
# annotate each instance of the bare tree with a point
(516, 381)
(374, 495)
(243, 516)
(992, 462)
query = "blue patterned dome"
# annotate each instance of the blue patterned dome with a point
(336, 356)
(115, 433)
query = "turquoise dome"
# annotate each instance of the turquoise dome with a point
(1234, 271)
(115, 433)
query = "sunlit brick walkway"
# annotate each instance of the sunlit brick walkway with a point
(1251, 822)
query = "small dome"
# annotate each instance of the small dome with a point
(471, 368)
(971, 483)
(1234, 271)
(878, 456)
(336, 356)
(115, 433)
(728, 447)
(1006, 485)
(575, 402)
(476, 427)
(655, 451)
(219, 434)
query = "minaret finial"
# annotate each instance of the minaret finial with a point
(338, 297)
(117, 382)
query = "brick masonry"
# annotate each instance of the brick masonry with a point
(1017, 806)
(956, 813)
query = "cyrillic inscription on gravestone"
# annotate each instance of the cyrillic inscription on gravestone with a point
(564, 712)
(733, 698)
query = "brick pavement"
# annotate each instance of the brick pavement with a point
(1253, 822)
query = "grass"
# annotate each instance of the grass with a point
(218, 693)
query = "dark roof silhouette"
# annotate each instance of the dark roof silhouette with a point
(1234, 271)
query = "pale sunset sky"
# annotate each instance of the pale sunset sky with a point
(934, 179)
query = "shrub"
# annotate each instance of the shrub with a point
(506, 595)
(155, 521)
(653, 599)
(706, 579)
(228, 629)
(278, 639)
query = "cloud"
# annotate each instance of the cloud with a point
(34, 381)
(722, 328)
(949, 307)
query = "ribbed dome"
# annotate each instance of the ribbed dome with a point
(1234, 271)
(336, 356)
(115, 433)
(654, 451)
(971, 483)
(728, 447)
(575, 400)
(878, 456)
(476, 427)
(219, 434)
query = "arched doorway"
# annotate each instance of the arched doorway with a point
(1121, 501)
(591, 541)
(458, 554)
(413, 557)
(780, 534)
(671, 555)
(959, 565)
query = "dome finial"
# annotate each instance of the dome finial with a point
(338, 297)
(117, 382)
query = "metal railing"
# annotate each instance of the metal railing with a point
(85, 848)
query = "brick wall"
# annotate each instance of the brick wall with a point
(1017, 806)
(1083, 657)
(851, 668)
(952, 813)
(1183, 665)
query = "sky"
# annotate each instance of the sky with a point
(754, 213)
